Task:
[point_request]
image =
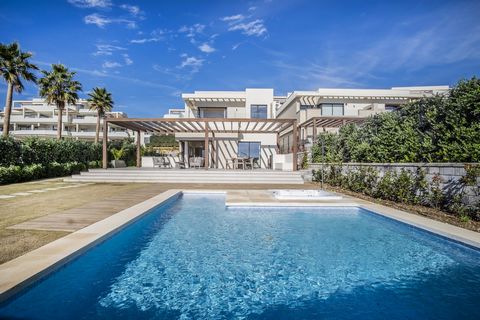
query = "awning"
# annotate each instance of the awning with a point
(216, 125)
(332, 121)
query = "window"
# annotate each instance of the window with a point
(258, 111)
(332, 109)
(390, 107)
(211, 112)
(249, 150)
(306, 106)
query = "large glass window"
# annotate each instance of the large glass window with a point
(249, 150)
(258, 111)
(211, 112)
(332, 109)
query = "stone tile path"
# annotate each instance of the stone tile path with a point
(30, 192)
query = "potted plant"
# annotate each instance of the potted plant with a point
(117, 155)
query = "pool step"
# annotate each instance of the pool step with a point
(199, 176)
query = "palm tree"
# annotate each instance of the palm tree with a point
(59, 88)
(14, 66)
(101, 101)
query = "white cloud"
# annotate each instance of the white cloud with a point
(206, 48)
(144, 40)
(253, 8)
(236, 45)
(133, 10)
(252, 28)
(91, 3)
(101, 21)
(111, 64)
(127, 59)
(234, 18)
(192, 30)
(191, 62)
(156, 35)
(97, 19)
(106, 49)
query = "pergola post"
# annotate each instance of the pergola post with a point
(139, 148)
(314, 131)
(295, 145)
(206, 146)
(105, 140)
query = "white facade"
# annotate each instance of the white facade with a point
(37, 118)
(248, 104)
(304, 105)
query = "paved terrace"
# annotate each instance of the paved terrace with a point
(35, 213)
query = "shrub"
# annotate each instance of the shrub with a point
(10, 151)
(442, 128)
(410, 188)
(13, 173)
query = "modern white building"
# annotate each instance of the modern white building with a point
(328, 109)
(37, 118)
(324, 109)
(246, 143)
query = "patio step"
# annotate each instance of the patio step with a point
(189, 176)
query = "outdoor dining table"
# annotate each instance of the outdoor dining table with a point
(237, 162)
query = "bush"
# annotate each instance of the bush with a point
(10, 151)
(434, 129)
(44, 151)
(409, 187)
(13, 173)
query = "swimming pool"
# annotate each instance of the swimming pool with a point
(193, 258)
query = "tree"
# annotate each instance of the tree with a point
(59, 88)
(101, 101)
(14, 66)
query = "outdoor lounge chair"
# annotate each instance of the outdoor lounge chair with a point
(196, 162)
(161, 162)
(180, 164)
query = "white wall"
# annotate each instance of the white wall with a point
(259, 96)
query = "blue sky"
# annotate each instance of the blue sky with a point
(148, 52)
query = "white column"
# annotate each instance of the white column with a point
(185, 154)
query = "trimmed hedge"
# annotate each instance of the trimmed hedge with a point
(410, 188)
(45, 151)
(39, 158)
(442, 128)
(14, 173)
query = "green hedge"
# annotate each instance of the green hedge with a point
(46, 151)
(409, 187)
(434, 129)
(14, 173)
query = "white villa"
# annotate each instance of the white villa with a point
(37, 118)
(311, 111)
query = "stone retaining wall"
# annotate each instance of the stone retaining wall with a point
(450, 173)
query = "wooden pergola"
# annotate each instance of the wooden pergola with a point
(199, 125)
(329, 122)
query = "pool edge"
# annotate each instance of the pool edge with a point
(22, 271)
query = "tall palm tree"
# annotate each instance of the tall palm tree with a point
(59, 88)
(101, 101)
(14, 66)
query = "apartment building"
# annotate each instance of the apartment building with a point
(219, 106)
(328, 109)
(37, 118)
(324, 109)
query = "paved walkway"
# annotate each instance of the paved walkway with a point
(34, 191)
(78, 218)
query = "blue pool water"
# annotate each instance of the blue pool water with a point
(192, 258)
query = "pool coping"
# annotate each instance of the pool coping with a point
(21, 272)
